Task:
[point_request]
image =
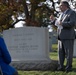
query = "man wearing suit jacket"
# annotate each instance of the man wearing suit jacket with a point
(66, 36)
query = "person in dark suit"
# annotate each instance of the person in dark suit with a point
(5, 60)
(52, 21)
(66, 36)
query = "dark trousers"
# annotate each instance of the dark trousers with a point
(16, 73)
(65, 49)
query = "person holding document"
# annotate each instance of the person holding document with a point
(66, 35)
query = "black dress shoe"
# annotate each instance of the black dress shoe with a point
(68, 70)
(60, 69)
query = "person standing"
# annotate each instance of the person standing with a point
(52, 21)
(5, 60)
(66, 35)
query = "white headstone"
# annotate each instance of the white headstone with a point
(27, 43)
(74, 53)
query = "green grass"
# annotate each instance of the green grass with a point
(54, 56)
(54, 47)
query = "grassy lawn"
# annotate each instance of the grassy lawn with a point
(54, 56)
